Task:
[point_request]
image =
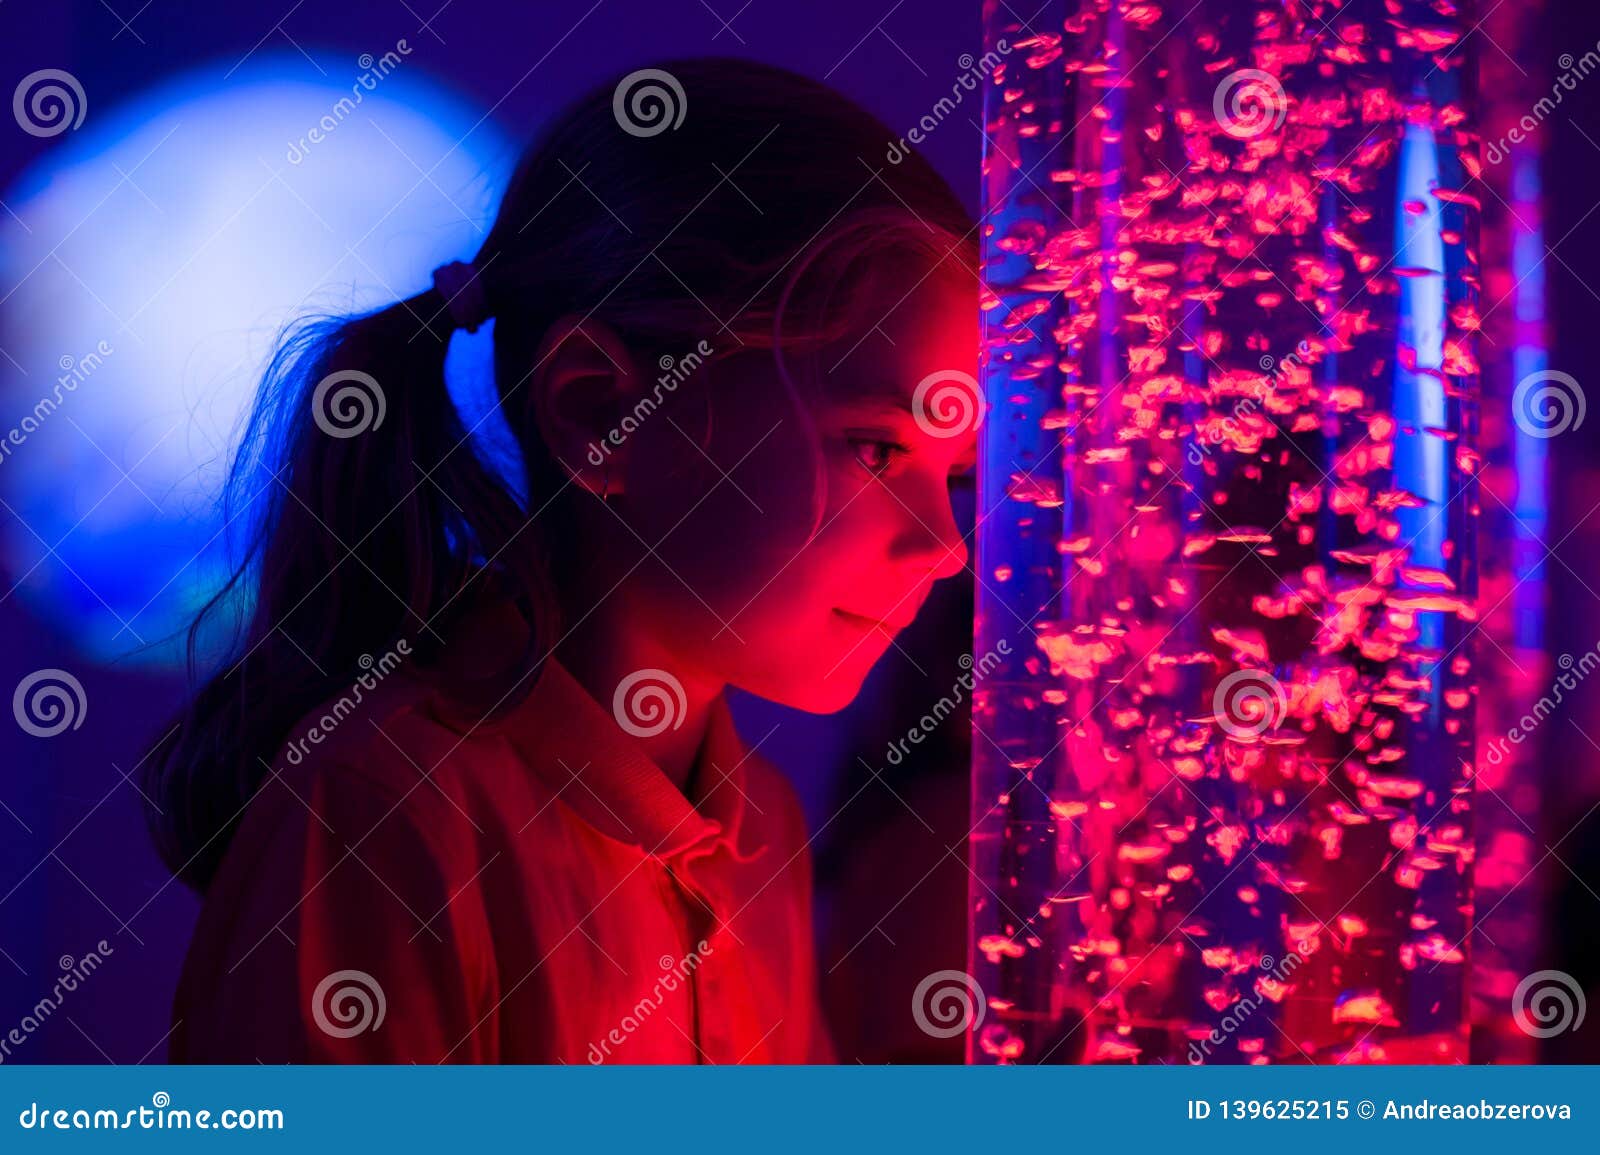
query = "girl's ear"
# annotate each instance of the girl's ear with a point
(584, 382)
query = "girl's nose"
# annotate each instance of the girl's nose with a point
(954, 559)
(931, 540)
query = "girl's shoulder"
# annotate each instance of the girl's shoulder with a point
(373, 766)
(380, 723)
(353, 855)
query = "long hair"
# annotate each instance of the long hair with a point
(755, 221)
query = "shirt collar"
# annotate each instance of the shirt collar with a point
(572, 742)
(604, 774)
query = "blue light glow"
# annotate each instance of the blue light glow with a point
(151, 262)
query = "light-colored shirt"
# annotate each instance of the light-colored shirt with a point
(420, 889)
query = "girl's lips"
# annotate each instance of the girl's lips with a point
(871, 623)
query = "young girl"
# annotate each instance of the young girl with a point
(468, 790)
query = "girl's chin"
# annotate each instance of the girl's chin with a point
(822, 692)
(822, 703)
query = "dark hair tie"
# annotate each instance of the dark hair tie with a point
(463, 292)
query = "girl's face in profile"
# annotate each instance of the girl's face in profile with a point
(725, 483)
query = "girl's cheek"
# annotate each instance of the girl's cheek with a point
(860, 515)
(724, 498)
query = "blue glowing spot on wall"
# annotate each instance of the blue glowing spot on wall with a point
(150, 263)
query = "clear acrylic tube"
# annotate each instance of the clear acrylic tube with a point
(1222, 783)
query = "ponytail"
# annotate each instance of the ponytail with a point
(374, 513)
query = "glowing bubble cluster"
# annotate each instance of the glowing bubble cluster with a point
(1228, 501)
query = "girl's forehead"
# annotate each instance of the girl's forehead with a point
(935, 329)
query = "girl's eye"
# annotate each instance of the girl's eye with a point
(875, 455)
